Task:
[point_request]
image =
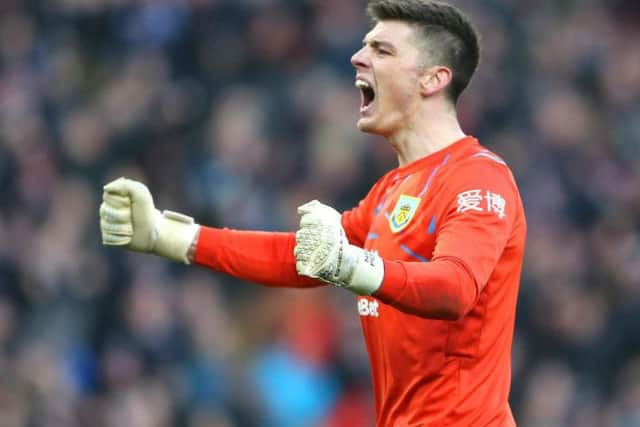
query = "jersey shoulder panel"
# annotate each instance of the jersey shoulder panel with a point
(480, 168)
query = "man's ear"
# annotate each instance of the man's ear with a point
(435, 79)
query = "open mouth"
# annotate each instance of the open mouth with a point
(367, 94)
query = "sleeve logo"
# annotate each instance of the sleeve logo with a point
(474, 200)
(404, 211)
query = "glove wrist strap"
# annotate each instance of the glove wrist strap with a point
(176, 233)
(367, 271)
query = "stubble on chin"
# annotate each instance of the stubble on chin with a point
(365, 126)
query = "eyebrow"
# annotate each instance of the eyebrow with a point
(378, 44)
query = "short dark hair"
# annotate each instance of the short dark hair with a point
(453, 41)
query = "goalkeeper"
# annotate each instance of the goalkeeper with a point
(433, 252)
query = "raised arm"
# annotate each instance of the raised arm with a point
(129, 219)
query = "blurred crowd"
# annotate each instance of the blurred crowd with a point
(236, 111)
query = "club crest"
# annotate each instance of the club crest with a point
(402, 214)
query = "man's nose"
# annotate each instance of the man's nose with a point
(358, 59)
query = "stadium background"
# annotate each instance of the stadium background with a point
(236, 111)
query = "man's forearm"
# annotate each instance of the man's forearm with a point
(256, 256)
(441, 289)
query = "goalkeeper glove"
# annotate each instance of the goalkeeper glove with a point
(128, 218)
(322, 251)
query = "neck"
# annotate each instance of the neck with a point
(423, 137)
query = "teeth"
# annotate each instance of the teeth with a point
(361, 84)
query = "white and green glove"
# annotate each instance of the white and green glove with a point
(323, 252)
(128, 218)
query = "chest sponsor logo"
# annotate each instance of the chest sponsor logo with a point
(403, 213)
(368, 308)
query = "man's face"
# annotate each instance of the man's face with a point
(387, 70)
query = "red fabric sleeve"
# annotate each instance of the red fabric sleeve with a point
(468, 247)
(256, 256)
(442, 289)
(266, 257)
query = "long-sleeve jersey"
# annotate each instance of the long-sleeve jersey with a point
(450, 228)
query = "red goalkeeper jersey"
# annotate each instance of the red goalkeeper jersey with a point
(451, 230)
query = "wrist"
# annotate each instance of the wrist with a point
(176, 234)
(364, 270)
(191, 253)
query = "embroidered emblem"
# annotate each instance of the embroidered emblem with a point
(402, 214)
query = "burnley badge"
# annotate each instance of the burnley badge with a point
(402, 214)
